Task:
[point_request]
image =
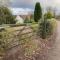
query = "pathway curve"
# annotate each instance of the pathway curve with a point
(55, 53)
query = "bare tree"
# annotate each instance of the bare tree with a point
(54, 11)
(5, 2)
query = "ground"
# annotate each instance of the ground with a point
(44, 51)
(55, 52)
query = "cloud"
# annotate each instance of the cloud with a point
(22, 3)
(20, 11)
(53, 3)
(26, 5)
(31, 3)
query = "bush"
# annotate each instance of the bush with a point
(46, 28)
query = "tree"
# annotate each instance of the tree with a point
(51, 12)
(37, 12)
(6, 16)
(48, 15)
(5, 2)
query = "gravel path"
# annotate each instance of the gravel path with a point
(55, 52)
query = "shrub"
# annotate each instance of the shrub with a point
(46, 28)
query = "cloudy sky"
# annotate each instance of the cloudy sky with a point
(28, 5)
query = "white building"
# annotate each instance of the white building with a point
(19, 20)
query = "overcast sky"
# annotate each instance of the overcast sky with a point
(28, 5)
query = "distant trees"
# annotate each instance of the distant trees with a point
(37, 12)
(6, 16)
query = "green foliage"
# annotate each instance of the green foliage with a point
(48, 15)
(34, 27)
(26, 41)
(46, 28)
(9, 38)
(42, 29)
(6, 16)
(37, 12)
(32, 21)
(26, 20)
(3, 41)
